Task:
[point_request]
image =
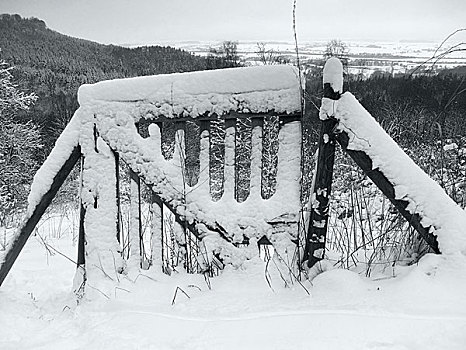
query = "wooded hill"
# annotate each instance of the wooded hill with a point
(54, 65)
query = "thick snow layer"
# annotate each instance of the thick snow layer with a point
(68, 140)
(333, 74)
(249, 89)
(424, 195)
(422, 308)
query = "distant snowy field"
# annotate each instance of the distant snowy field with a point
(423, 307)
(406, 55)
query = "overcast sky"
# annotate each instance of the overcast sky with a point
(149, 21)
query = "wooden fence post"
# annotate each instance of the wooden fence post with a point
(117, 195)
(319, 203)
(82, 215)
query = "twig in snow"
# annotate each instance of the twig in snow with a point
(126, 290)
(102, 269)
(45, 244)
(114, 266)
(48, 247)
(280, 273)
(152, 279)
(290, 270)
(207, 280)
(176, 293)
(105, 295)
(267, 275)
(65, 307)
(194, 286)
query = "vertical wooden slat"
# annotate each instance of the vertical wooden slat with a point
(156, 231)
(143, 127)
(270, 146)
(216, 158)
(136, 247)
(167, 136)
(243, 139)
(192, 148)
(82, 215)
(256, 158)
(117, 195)
(229, 163)
(164, 240)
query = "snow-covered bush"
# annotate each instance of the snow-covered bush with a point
(445, 162)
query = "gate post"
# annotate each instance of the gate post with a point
(321, 188)
(79, 280)
(98, 248)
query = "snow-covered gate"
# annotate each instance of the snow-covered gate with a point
(126, 120)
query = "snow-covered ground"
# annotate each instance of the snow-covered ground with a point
(423, 307)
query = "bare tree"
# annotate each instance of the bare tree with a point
(337, 48)
(225, 56)
(270, 56)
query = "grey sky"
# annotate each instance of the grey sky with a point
(148, 21)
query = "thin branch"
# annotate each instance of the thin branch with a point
(176, 292)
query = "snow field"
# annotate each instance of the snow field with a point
(423, 308)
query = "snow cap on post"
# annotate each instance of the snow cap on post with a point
(333, 74)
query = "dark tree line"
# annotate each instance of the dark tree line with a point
(54, 66)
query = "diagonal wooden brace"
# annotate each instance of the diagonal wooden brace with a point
(381, 181)
(30, 223)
